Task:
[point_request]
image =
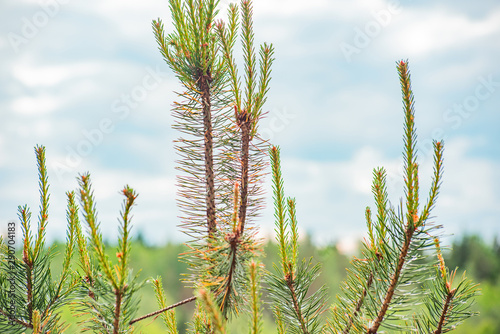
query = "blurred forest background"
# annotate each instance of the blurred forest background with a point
(480, 260)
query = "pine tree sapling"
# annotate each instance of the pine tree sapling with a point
(398, 283)
(35, 299)
(222, 158)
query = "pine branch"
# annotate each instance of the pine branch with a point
(447, 303)
(107, 294)
(152, 314)
(279, 207)
(359, 305)
(413, 221)
(387, 275)
(444, 313)
(436, 179)
(204, 80)
(255, 295)
(280, 323)
(244, 123)
(44, 199)
(201, 53)
(169, 315)
(296, 305)
(289, 287)
(394, 281)
(36, 297)
(90, 215)
(207, 299)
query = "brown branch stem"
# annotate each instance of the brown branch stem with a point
(152, 314)
(289, 283)
(29, 284)
(118, 304)
(394, 280)
(234, 241)
(245, 141)
(447, 303)
(204, 85)
(359, 304)
(20, 322)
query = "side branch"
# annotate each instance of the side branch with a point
(20, 322)
(446, 306)
(394, 280)
(359, 304)
(289, 283)
(152, 314)
(234, 241)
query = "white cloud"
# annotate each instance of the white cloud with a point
(315, 8)
(335, 106)
(132, 18)
(421, 32)
(43, 75)
(33, 105)
(470, 183)
(3, 155)
(455, 74)
(332, 195)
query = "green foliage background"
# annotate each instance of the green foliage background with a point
(479, 259)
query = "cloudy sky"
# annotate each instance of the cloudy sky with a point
(85, 79)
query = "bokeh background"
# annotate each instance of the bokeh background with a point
(85, 79)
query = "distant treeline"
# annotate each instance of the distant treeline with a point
(471, 253)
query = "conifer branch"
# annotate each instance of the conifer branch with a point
(38, 299)
(44, 199)
(379, 190)
(447, 303)
(17, 321)
(436, 180)
(118, 304)
(107, 290)
(169, 315)
(248, 53)
(294, 235)
(394, 281)
(289, 287)
(152, 314)
(88, 206)
(279, 205)
(244, 122)
(280, 324)
(255, 295)
(201, 53)
(359, 305)
(217, 320)
(411, 193)
(204, 80)
(295, 301)
(444, 313)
